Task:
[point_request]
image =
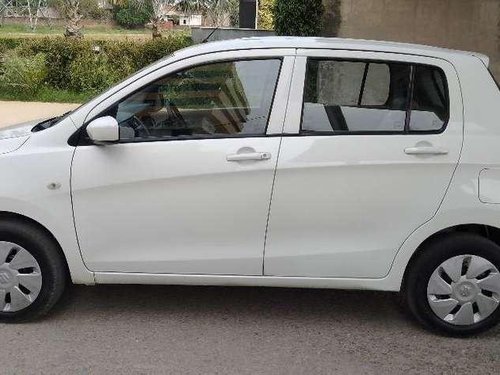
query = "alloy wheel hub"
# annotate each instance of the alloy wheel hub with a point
(464, 290)
(20, 277)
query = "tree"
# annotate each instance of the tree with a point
(73, 12)
(266, 14)
(73, 16)
(217, 12)
(132, 14)
(157, 10)
(298, 17)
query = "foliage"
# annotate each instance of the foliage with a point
(91, 72)
(23, 73)
(157, 10)
(44, 94)
(89, 66)
(266, 14)
(132, 14)
(91, 10)
(298, 17)
(87, 8)
(72, 11)
(9, 43)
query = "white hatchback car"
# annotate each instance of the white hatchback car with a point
(285, 162)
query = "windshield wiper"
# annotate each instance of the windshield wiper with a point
(48, 123)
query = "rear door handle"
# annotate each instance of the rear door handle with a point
(425, 150)
(249, 156)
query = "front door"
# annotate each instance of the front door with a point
(187, 188)
(373, 142)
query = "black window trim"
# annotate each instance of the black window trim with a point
(406, 130)
(81, 138)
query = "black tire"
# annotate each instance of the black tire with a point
(414, 291)
(52, 266)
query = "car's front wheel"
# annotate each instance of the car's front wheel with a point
(32, 271)
(453, 285)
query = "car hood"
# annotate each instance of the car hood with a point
(13, 137)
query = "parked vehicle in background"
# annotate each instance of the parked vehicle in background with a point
(285, 162)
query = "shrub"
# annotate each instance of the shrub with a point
(9, 43)
(298, 17)
(91, 9)
(25, 74)
(60, 52)
(130, 15)
(155, 49)
(266, 15)
(92, 73)
(83, 65)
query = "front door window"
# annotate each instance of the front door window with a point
(215, 100)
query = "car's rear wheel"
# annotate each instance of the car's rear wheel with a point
(32, 271)
(453, 285)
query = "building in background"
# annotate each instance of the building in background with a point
(459, 24)
(190, 20)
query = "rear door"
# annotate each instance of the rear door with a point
(371, 144)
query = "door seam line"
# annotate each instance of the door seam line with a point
(269, 207)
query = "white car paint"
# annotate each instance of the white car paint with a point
(256, 226)
(359, 196)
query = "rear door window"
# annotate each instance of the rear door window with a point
(351, 97)
(429, 104)
(358, 97)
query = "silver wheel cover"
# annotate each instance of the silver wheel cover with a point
(20, 277)
(464, 290)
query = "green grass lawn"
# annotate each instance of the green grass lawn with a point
(97, 31)
(46, 94)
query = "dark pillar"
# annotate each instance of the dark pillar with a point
(248, 14)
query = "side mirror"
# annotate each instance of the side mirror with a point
(104, 130)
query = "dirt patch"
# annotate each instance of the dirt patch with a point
(17, 112)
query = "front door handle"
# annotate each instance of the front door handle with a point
(249, 156)
(425, 150)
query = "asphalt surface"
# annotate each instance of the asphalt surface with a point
(216, 330)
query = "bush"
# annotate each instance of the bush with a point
(130, 15)
(91, 66)
(25, 74)
(9, 43)
(60, 52)
(298, 17)
(266, 15)
(89, 9)
(92, 73)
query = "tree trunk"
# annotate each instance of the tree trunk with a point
(73, 17)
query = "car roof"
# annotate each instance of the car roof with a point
(327, 43)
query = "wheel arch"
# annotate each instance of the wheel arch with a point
(76, 270)
(486, 231)
(6, 215)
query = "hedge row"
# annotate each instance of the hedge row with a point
(88, 65)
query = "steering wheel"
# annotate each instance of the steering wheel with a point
(139, 128)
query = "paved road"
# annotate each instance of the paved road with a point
(210, 330)
(15, 112)
(190, 330)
